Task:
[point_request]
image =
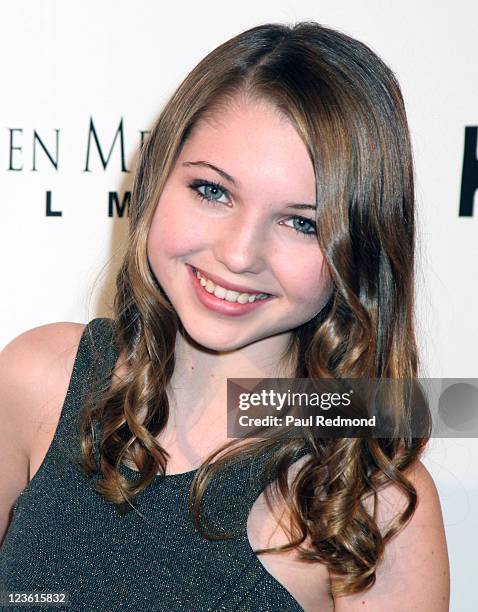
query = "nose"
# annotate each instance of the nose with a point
(241, 244)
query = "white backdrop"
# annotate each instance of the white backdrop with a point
(67, 63)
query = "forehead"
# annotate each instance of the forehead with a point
(251, 140)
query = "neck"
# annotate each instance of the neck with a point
(198, 387)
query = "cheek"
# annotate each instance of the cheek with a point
(304, 278)
(172, 233)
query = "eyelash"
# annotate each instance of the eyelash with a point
(194, 186)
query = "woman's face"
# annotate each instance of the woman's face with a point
(246, 226)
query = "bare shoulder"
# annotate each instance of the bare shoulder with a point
(308, 583)
(35, 368)
(414, 573)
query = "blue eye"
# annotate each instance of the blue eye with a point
(309, 229)
(211, 191)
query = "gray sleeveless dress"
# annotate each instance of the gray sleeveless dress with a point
(65, 538)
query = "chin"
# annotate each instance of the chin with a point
(215, 341)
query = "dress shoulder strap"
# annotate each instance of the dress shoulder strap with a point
(94, 362)
(95, 359)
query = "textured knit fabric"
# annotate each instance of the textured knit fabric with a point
(65, 538)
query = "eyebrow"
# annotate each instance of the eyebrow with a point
(223, 173)
(234, 182)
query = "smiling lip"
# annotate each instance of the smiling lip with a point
(230, 309)
(232, 286)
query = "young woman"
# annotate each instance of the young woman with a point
(271, 235)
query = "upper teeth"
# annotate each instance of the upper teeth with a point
(227, 294)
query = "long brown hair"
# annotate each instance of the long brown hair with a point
(347, 107)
